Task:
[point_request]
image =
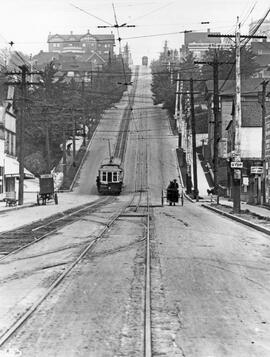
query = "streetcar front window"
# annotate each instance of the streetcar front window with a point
(104, 176)
(109, 176)
(115, 176)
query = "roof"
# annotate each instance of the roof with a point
(12, 168)
(113, 161)
(96, 55)
(263, 60)
(252, 113)
(201, 37)
(78, 38)
(76, 66)
(46, 57)
(249, 87)
(260, 46)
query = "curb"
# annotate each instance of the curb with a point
(238, 219)
(5, 210)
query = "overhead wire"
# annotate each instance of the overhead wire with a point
(245, 42)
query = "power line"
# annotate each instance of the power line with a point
(88, 13)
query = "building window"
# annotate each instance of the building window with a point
(10, 143)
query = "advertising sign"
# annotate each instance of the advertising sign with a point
(258, 170)
(245, 181)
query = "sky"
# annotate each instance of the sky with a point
(28, 23)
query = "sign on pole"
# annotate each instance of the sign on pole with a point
(236, 164)
(256, 170)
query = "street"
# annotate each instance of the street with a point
(210, 277)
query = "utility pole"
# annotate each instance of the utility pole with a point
(177, 109)
(84, 113)
(237, 164)
(64, 152)
(73, 137)
(215, 64)
(264, 85)
(193, 133)
(237, 124)
(21, 133)
(47, 136)
(21, 123)
(191, 125)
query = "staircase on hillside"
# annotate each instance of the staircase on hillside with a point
(206, 168)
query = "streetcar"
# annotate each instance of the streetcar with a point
(110, 177)
(145, 61)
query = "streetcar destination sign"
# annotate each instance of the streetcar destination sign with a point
(236, 164)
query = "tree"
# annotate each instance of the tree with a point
(55, 106)
(227, 69)
(163, 87)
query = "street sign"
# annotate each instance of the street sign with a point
(256, 170)
(236, 164)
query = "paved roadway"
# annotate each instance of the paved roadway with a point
(210, 276)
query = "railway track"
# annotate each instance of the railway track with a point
(124, 209)
(15, 240)
(121, 142)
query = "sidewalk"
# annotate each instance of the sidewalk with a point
(259, 210)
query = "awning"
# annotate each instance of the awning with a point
(11, 168)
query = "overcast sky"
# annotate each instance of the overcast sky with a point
(28, 22)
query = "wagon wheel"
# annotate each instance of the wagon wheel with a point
(56, 198)
(38, 200)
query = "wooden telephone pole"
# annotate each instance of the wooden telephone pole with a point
(193, 132)
(215, 64)
(21, 123)
(237, 164)
(264, 85)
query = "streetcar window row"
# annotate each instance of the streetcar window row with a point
(110, 176)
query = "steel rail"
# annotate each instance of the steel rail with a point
(122, 136)
(148, 324)
(147, 308)
(5, 336)
(92, 205)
